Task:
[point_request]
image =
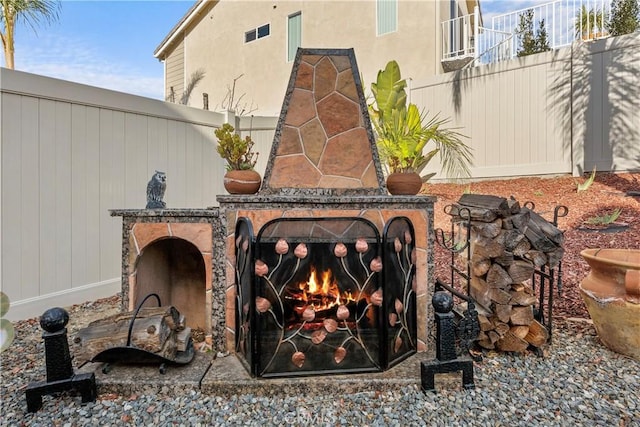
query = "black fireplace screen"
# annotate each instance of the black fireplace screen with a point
(314, 295)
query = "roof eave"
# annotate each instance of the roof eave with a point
(186, 20)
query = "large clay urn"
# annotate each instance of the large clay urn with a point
(242, 181)
(404, 183)
(611, 292)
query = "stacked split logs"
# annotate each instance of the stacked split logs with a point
(508, 242)
(159, 330)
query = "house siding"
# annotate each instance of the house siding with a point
(215, 43)
(174, 72)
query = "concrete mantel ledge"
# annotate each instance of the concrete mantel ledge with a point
(212, 212)
(326, 200)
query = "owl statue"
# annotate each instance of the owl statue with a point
(155, 191)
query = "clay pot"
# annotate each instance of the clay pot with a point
(242, 181)
(404, 183)
(611, 292)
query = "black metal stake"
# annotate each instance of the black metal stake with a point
(60, 375)
(446, 354)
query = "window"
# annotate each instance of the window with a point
(263, 31)
(387, 16)
(294, 35)
(257, 33)
(250, 36)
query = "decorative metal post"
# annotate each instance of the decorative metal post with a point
(60, 376)
(447, 359)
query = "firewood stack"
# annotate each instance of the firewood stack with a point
(508, 242)
(159, 330)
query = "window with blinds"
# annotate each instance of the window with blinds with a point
(294, 35)
(257, 33)
(387, 16)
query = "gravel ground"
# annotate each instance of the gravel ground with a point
(576, 382)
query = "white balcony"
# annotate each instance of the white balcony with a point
(466, 42)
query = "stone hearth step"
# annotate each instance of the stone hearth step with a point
(225, 376)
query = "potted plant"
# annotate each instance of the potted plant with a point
(240, 178)
(611, 292)
(403, 133)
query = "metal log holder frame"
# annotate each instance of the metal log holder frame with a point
(468, 328)
(548, 276)
(132, 354)
(468, 325)
(543, 280)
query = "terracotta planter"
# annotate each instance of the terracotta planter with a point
(611, 292)
(242, 181)
(408, 183)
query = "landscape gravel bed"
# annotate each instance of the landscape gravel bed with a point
(576, 381)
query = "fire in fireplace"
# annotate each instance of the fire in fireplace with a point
(319, 292)
(313, 297)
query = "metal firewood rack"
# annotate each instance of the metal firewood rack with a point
(544, 280)
(132, 354)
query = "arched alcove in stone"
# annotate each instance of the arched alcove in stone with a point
(174, 269)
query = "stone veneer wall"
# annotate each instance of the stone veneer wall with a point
(324, 138)
(141, 228)
(377, 209)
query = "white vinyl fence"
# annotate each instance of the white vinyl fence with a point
(557, 112)
(70, 153)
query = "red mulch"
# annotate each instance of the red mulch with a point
(608, 193)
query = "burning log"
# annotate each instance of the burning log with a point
(508, 243)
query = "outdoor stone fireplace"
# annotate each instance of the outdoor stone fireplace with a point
(321, 271)
(325, 271)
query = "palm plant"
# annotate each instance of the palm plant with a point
(403, 132)
(194, 79)
(33, 12)
(589, 23)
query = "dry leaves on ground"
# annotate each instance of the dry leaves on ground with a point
(608, 193)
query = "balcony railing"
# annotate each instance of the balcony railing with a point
(458, 36)
(564, 21)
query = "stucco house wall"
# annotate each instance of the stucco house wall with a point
(213, 37)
